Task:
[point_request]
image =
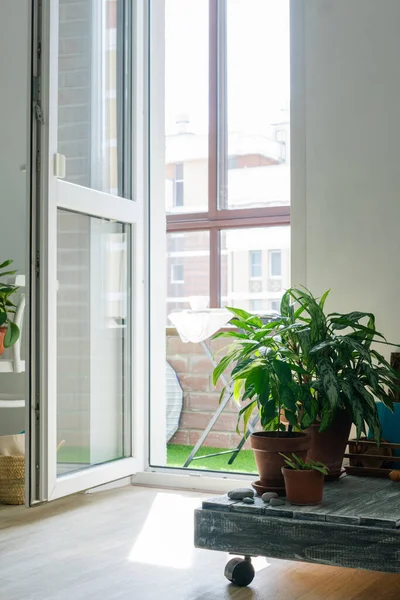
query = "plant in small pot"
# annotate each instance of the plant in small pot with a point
(346, 373)
(304, 480)
(262, 380)
(9, 331)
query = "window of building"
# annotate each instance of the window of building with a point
(257, 305)
(215, 53)
(275, 263)
(177, 274)
(178, 185)
(255, 264)
(275, 305)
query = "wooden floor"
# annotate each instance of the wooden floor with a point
(136, 544)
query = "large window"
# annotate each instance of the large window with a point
(227, 151)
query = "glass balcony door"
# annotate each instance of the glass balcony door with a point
(91, 254)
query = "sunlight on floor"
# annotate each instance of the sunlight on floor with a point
(166, 538)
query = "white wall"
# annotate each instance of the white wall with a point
(346, 176)
(14, 136)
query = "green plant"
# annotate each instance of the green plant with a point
(307, 365)
(297, 464)
(262, 372)
(338, 355)
(7, 306)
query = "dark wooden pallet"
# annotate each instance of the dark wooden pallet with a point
(357, 525)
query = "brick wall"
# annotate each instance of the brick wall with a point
(75, 89)
(194, 371)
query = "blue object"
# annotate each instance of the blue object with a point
(390, 423)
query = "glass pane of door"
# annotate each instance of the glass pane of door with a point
(92, 115)
(93, 342)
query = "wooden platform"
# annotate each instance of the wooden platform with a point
(357, 525)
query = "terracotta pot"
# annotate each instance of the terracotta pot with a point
(329, 446)
(303, 487)
(3, 331)
(266, 447)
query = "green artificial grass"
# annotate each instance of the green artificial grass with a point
(243, 463)
(176, 456)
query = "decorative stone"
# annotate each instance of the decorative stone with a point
(276, 502)
(240, 494)
(268, 496)
(248, 500)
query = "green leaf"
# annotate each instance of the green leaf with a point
(237, 389)
(285, 303)
(12, 334)
(283, 371)
(268, 412)
(287, 398)
(220, 368)
(6, 263)
(323, 299)
(239, 312)
(248, 409)
(329, 382)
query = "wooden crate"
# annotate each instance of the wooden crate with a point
(369, 460)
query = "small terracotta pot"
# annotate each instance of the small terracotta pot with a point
(303, 487)
(3, 331)
(329, 446)
(267, 446)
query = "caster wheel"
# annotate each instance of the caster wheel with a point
(240, 571)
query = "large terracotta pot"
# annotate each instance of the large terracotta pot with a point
(303, 487)
(267, 446)
(329, 446)
(3, 331)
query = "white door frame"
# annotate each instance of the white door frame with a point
(55, 194)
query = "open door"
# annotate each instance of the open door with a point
(88, 107)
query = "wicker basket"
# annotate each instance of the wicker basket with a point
(12, 480)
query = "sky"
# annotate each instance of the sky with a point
(257, 56)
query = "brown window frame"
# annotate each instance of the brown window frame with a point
(216, 219)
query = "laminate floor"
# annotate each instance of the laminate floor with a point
(136, 543)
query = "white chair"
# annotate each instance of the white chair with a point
(14, 364)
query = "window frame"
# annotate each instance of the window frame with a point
(216, 218)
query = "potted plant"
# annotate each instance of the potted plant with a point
(304, 480)
(9, 331)
(262, 378)
(320, 371)
(338, 355)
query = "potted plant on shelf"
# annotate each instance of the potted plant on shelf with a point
(304, 480)
(9, 331)
(319, 371)
(262, 378)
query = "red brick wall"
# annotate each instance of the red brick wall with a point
(194, 371)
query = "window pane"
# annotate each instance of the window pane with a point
(255, 263)
(275, 263)
(92, 341)
(186, 103)
(258, 99)
(188, 268)
(91, 93)
(239, 288)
